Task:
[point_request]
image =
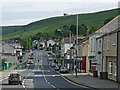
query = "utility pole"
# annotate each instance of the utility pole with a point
(76, 51)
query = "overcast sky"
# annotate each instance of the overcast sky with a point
(21, 12)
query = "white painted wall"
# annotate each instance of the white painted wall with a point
(99, 45)
(50, 42)
(65, 47)
(92, 45)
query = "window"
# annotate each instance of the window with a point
(100, 43)
(91, 44)
(104, 44)
(114, 39)
(108, 43)
(110, 67)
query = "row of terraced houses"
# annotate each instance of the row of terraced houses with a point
(97, 52)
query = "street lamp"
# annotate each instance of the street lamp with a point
(77, 35)
(74, 55)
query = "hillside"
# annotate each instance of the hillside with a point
(49, 25)
(10, 29)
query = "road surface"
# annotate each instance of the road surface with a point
(40, 76)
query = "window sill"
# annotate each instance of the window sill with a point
(114, 44)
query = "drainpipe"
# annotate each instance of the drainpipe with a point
(118, 59)
(102, 53)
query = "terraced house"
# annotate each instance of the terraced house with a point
(106, 50)
(103, 48)
(83, 55)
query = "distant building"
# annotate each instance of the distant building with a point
(11, 49)
(66, 44)
(50, 43)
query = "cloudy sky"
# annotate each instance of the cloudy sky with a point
(21, 12)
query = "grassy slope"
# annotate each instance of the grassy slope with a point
(49, 25)
(10, 29)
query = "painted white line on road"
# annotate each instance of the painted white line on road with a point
(23, 83)
(3, 79)
(53, 86)
(48, 83)
(46, 79)
(48, 70)
(44, 73)
(53, 75)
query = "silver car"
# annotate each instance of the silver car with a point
(64, 70)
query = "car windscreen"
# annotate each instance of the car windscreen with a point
(14, 75)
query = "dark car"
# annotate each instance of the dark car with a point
(15, 78)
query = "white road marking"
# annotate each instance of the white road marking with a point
(45, 75)
(53, 86)
(44, 71)
(3, 79)
(23, 83)
(53, 75)
(48, 83)
(47, 80)
(48, 70)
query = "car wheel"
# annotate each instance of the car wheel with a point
(9, 83)
(20, 83)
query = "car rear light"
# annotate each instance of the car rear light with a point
(21, 78)
(9, 78)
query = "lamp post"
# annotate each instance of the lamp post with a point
(77, 36)
(74, 55)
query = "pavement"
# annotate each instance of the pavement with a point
(85, 79)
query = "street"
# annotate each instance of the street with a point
(40, 75)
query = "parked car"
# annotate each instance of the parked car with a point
(30, 62)
(15, 78)
(64, 70)
(50, 58)
(53, 64)
(31, 57)
(57, 67)
(49, 54)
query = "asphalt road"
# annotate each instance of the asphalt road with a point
(40, 76)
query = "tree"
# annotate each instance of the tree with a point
(91, 30)
(58, 32)
(73, 29)
(66, 27)
(82, 29)
(4, 59)
(66, 31)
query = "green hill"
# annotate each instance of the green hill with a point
(49, 25)
(10, 29)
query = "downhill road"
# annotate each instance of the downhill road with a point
(40, 75)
